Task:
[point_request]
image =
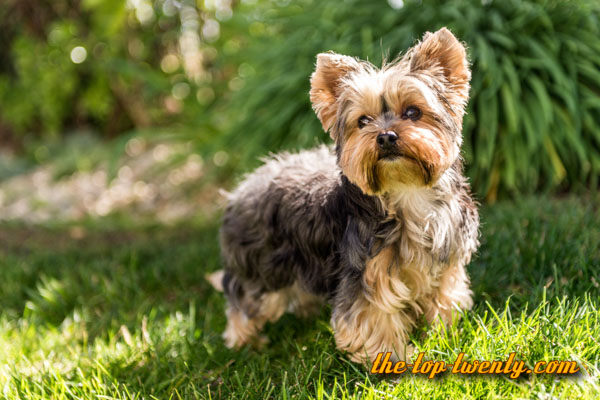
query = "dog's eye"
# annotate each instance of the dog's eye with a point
(364, 120)
(413, 113)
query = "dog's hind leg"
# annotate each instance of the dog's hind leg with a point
(248, 310)
(302, 303)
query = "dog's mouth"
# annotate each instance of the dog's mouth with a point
(396, 154)
(391, 155)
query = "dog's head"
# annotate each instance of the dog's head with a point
(398, 125)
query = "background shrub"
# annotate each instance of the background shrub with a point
(141, 63)
(235, 75)
(534, 116)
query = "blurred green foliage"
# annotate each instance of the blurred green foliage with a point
(109, 65)
(236, 73)
(534, 115)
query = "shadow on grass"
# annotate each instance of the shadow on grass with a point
(48, 273)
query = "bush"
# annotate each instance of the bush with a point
(534, 116)
(110, 65)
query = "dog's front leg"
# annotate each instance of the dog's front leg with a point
(452, 295)
(364, 330)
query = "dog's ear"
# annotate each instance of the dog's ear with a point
(441, 52)
(325, 84)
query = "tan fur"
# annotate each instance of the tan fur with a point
(325, 82)
(442, 51)
(394, 296)
(242, 330)
(392, 286)
(429, 149)
(358, 156)
(366, 330)
(216, 279)
(452, 295)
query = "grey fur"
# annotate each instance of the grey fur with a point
(297, 219)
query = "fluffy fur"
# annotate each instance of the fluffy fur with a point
(381, 231)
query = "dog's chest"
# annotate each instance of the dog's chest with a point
(408, 267)
(426, 228)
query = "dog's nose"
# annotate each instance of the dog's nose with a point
(387, 139)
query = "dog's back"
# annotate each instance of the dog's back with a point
(274, 224)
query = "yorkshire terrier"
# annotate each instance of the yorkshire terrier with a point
(381, 226)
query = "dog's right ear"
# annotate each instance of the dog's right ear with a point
(325, 84)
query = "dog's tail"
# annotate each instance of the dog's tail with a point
(216, 279)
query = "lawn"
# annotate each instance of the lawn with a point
(109, 309)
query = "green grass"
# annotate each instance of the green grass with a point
(124, 312)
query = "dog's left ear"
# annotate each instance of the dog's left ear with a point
(325, 84)
(441, 52)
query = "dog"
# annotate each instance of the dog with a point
(381, 225)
